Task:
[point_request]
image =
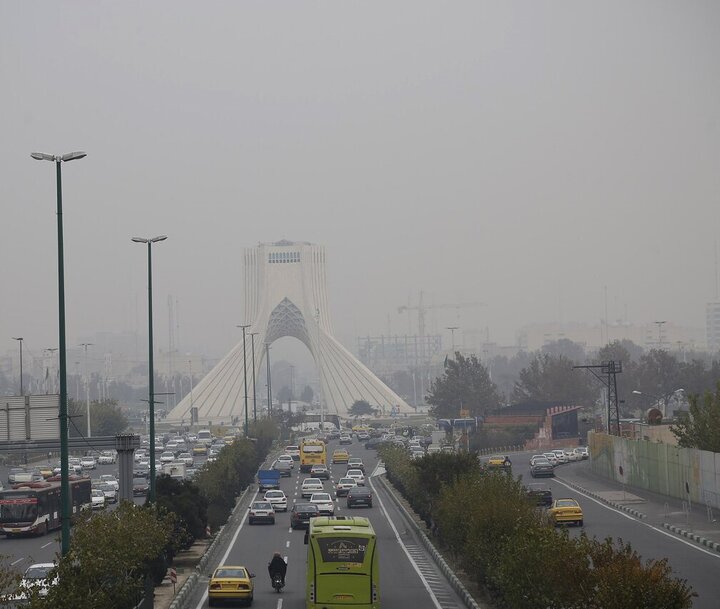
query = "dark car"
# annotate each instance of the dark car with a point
(359, 496)
(540, 493)
(301, 513)
(374, 443)
(140, 486)
(542, 467)
(140, 471)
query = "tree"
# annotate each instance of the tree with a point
(573, 351)
(307, 394)
(551, 378)
(465, 384)
(109, 556)
(106, 418)
(361, 408)
(285, 395)
(183, 498)
(701, 427)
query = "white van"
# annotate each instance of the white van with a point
(204, 436)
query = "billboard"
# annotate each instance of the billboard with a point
(29, 417)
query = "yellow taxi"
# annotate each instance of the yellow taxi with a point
(46, 471)
(499, 461)
(340, 456)
(200, 449)
(565, 510)
(230, 583)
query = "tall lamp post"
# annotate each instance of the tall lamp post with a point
(269, 385)
(87, 388)
(151, 371)
(245, 327)
(20, 340)
(252, 343)
(65, 511)
(452, 330)
(660, 400)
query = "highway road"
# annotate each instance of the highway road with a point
(24, 551)
(408, 577)
(690, 561)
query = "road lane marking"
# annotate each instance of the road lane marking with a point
(279, 605)
(287, 543)
(429, 590)
(647, 524)
(227, 552)
(12, 564)
(290, 530)
(49, 543)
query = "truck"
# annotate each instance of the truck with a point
(268, 479)
(175, 470)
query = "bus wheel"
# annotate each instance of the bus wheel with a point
(43, 529)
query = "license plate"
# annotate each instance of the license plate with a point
(15, 530)
(343, 597)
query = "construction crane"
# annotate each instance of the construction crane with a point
(423, 308)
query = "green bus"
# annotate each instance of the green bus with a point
(342, 567)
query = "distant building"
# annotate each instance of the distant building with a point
(712, 326)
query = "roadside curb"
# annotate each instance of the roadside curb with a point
(617, 506)
(713, 545)
(456, 584)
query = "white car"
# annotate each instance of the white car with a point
(287, 459)
(88, 462)
(277, 499)
(560, 454)
(552, 457)
(310, 486)
(536, 457)
(571, 455)
(106, 457)
(111, 481)
(167, 457)
(357, 475)
(293, 451)
(97, 499)
(186, 458)
(343, 486)
(324, 502)
(583, 451)
(36, 578)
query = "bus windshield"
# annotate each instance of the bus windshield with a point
(18, 509)
(311, 448)
(342, 549)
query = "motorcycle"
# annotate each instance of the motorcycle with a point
(277, 582)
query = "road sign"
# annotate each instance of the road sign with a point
(173, 575)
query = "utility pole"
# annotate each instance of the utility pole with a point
(319, 365)
(87, 387)
(269, 385)
(452, 330)
(659, 325)
(244, 327)
(20, 340)
(252, 340)
(610, 369)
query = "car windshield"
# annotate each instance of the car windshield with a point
(313, 449)
(139, 481)
(305, 507)
(309, 481)
(274, 494)
(96, 492)
(566, 503)
(230, 573)
(37, 572)
(262, 505)
(321, 497)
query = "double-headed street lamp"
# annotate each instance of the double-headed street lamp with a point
(87, 387)
(59, 159)
(151, 371)
(660, 400)
(245, 327)
(20, 340)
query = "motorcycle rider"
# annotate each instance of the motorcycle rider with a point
(277, 565)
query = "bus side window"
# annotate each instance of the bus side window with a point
(305, 539)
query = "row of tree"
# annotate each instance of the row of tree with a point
(489, 525)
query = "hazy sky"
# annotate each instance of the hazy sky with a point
(523, 154)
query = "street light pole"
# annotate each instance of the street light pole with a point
(269, 386)
(87, 388)
(151, 371)
(252, 341)
(319, 365)
(58, 159)
(20, 340)
(452, 330)
(244, 327)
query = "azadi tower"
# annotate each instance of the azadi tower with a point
(285, 295)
